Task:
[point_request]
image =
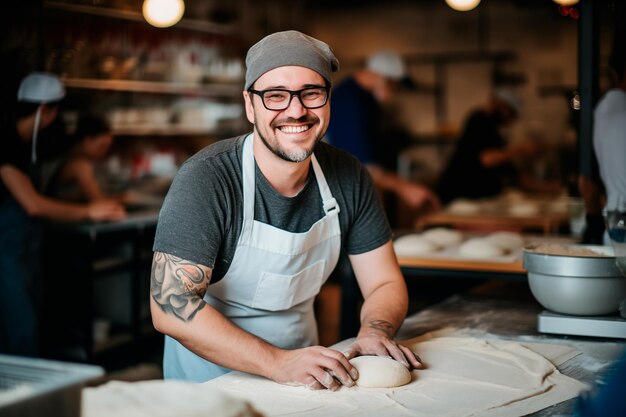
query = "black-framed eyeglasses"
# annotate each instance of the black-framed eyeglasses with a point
(280, 99)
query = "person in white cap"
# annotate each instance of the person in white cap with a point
(253, 226)
(482, 164)
(357, 126)
(23, 206)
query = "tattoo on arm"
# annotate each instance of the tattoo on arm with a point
(383, 325)
(178, 286)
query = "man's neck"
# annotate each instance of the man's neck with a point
(287, 178)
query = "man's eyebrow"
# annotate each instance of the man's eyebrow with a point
(282, 87)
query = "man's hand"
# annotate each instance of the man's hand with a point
(105, 210)
(417, 196)
(380, 345)
(314, 367)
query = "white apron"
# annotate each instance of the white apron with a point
(272, 282)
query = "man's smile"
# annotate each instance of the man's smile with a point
(294, 129)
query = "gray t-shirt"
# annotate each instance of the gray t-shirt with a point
(201, 217)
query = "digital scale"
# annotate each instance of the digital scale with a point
(596, 326)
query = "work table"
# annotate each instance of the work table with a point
(506, 319)
(476, 316)
(80, 257)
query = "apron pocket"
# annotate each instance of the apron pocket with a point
(280, 292)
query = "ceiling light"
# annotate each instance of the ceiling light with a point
(163, 13)
(565, 2)
(462, 5)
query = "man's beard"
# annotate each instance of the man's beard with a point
(296, 156)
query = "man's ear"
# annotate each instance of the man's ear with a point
(247, 97)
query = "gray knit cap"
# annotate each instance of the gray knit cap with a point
(289, 48)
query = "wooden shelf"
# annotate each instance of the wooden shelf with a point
(168, 130)
(191, 24)
(231, 89)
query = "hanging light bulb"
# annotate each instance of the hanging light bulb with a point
(462, 5)
(565, 2)
(163, 13)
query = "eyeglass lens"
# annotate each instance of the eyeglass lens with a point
(309, 97)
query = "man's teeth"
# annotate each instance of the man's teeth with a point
(294, 129)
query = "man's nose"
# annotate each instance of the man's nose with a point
(295, 109)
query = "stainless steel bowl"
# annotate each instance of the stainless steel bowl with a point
(577, 285)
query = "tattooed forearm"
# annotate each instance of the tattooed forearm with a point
(178, 286)
(383, 325)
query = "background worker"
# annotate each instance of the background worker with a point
(23, 207)
(357, 126)
(483, 162)
(609, 129)
(75, 178)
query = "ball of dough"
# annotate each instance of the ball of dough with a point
(443, 237)
(513, 195)
(508, 241)
(463, 207)
(480, 247)
(380, 372)
(523, 209)
(413, 245)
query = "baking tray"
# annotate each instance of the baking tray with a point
(41, 387)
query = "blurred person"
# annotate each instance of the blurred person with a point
(75, 178)
(253, 226)
(483, 163)
(609, 141)
(593, 196)
(606, 398)
(357, 125)
(609, 130)
(23, 207)
(609, 144)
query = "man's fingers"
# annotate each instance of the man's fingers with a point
(326, 379)
(314, 384)
(338, 366)
(345, 362)
(351, 352)
(414, 360)
(404, 355)
(396, 353)
(346, 380)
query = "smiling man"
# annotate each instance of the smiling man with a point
(253, 226)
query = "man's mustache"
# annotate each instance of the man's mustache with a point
(306, 119)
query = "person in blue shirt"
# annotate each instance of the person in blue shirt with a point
(357, 125)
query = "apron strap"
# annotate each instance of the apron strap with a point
(247, 161)
(328, 200)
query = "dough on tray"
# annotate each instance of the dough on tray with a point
(413, 245)
(523, 209)
(509, 241)
(380, 372)
(480, 247)
(464, 207)
(443, 237)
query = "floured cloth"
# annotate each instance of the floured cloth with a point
(464, 376)
(160, 398)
